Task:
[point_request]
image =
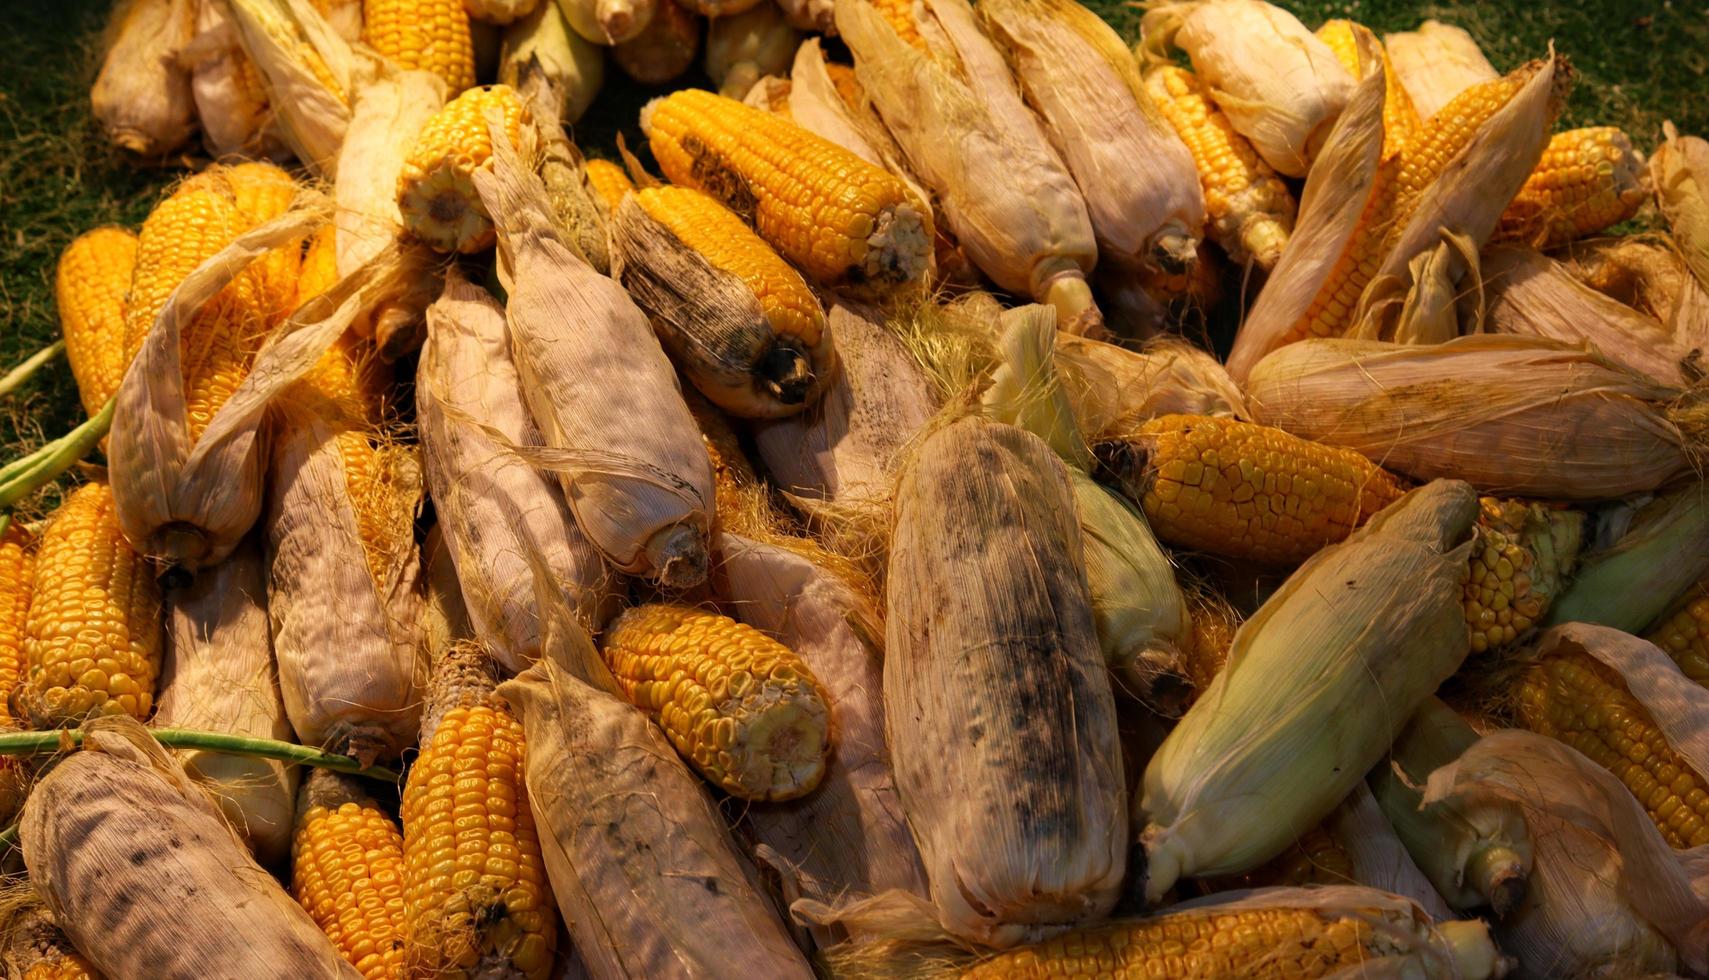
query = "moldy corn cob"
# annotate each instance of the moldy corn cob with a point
(347, 870)
(436, 191)
(90, 284)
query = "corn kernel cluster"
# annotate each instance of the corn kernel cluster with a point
(90, 285)
(1588, 179)
(348, 873)
(17, 579)
(436, 187)
(609, 182)
(430, 35)
(1523, 554)
(1684, 635)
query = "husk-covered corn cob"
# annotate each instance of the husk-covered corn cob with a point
(1475, 853)
(1113, 389)
(436, 193)
(741, 323)
(1435, 63)
(635, 473)
(142, 96)
(561, 167)
(1522, 416)
(1630, 582)
(1641, 271)
(502, 12)
(90, 284)
(1252, 764)
(741, 49)
(474, 882)
(309, 73)
(664, 49)
(1137, 176)
(968, 135)
(426, 35)
(1679, 171)
(119, 820)
(1378, 857)
(1281, 87)
(640, 860)
(219, 677)
(347, 871)
(543, 42)
(608, 22)
(500, 516)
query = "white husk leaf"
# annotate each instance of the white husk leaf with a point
(142, 96)
(1024, 390)
(117, 831)
(219, 677)
(500, 516)
(1312, 697)
(1435, 63)
(743, 48)
(1631, 582)
(1378, 857)
(1680, 172)
(280, 36)
(1512, 415)
(608, 22)
(233, 124)
(575, 65)
(1113, 388)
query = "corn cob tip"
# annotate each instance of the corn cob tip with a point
(1498, 873)
(677, 556)
(1076, 312)
(787, 372)
(1473, 950)
(1175, 251)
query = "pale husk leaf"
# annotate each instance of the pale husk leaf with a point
(543, 42)
(634, 469)
(233, 123)
(1019, 812)
(743, 48)
(281, 37)
(1024, 390)
(1380, 860)
(1512, 415)
(1435, 63)
(1334, 199)
(219, 677)
(818, 16)
(1680, 171)
(850, 836)
(444, 618)
(142, 96)
(644, 871)
(117, 832)
(1113, 388)
(499, 515)
(1630, 583)
(1312, 697)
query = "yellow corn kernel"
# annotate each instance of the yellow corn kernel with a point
(899, 14)
(1447, 134)
(1250, 209)
(92, 636)
(436, 187)
(263, 192)
(1317, 858)
(1587, 180)
(347, 871)
(1574, 698)
(475, 883)
(610, 183)
(319, 271)
(67, 966)
(1250, 491)
(1400, 118)
(737, 704)
(848, 86)
(844, 222)
(17, 576)
(1523, 556)
(1215, 621)
(90, 284)
(430, 35)
(1684, 634)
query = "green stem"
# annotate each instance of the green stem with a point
(8, 838)
(23, 477)
(16, 377)
(50, 743)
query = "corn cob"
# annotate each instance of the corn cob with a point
(738, 705)
(1525, 554)
(571, 67)
(1215, 621)
(609, 182)
(741, 50)
(1250, 210)
(92, 637)
(478, 904)
(501, 12)
(431, 35)
(1573, 697)
(1245, 490)
(845, 222)
(90, 283)
(262, 192)
(899, 14)
(17, 580)
(1587, 180)
(436, 191)
(1400, 119)
(142, 96)
(347, 870)
(1684, 634)
(608, 22)
(664, 49)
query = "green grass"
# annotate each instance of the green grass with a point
(1639, 63)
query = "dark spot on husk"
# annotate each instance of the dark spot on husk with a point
(711, 885)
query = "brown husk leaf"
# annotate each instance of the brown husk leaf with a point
(1679, 170)
(1114, 389)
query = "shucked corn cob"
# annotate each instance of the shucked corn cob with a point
(1588, 179)
(90, 284)
(347, 871)
(843, 221)
(1400, 119)
(431, 35)
(1571, 696)
(1525, 553)
(738, 705)
(609, 182)
(436, 190)
(17, 580)
(1684, 634)
(92, 637)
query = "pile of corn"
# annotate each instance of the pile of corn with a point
(812, 547)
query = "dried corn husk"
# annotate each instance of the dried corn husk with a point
(231, 105)
(967, 134)
(816, 16)
(644, 871)
(500, 516)
(444, 618)
(1412, 296)
(664, 49)
(1312, 697)
(1281, 87)
(850, 836)
(1113, 388)
(219, 677)
(1378, 857)
(1018, 810)
(1337, 193)
(1515, 416)
(117, 829)
(385, 115)
(563, 170)
(1630, 583)
(1641, 271)
(1528, 294)
(1139, 181)
(1680, 171)
(310, 72)
(1435, 63)
(847, 446)
(543, 42)
(142, 96)
(753, 43)
(634, 470)
(1476, 853)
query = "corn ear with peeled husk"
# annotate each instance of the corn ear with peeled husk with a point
(219, 676)
(1630, 583)
(543, 42)
(1435, 63)
(1281, 87)
(1514, 416)
(309, 71)
(747, 46)
(500, 517)
(142, 96)
(1476, 853)
(1113, 388)
(231, 101)
(120, 819)
(969, 136)
(1251, 765)
(635, 472)
(1528, 294)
